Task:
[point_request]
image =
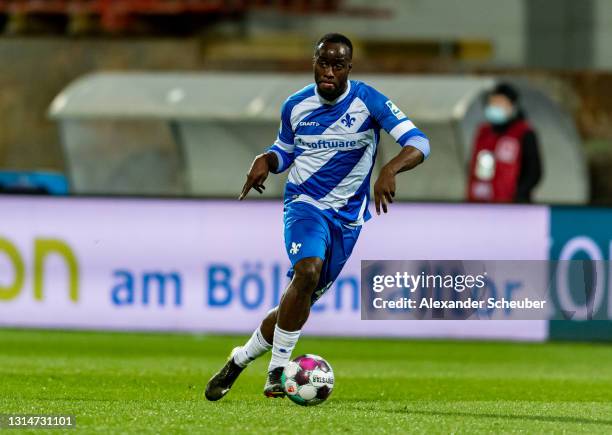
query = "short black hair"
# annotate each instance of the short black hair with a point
(335, 38)
(507, 90)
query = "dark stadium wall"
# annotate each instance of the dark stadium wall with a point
(35, 70)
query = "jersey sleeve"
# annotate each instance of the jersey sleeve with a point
(284, 147)
(396, 123)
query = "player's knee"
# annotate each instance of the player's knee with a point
(307, 276)
(272, 315)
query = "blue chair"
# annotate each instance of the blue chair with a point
(31, 182)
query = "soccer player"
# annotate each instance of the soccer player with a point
(328, 135)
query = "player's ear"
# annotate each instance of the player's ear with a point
(350, 66)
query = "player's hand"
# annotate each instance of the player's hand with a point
(384, 190)
(256, 176)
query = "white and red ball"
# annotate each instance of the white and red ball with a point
(308, 380)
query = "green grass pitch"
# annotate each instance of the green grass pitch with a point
(153, 383)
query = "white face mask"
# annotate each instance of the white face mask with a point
(496, 114)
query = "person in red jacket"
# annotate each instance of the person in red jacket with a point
(505, 164)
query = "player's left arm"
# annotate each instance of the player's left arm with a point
(414, 143)
(384, 188)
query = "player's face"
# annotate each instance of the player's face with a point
(332, 64)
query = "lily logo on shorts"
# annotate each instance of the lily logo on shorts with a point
(295, 247)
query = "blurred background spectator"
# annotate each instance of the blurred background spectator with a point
(505, 165)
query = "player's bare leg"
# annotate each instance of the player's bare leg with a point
(293, 311)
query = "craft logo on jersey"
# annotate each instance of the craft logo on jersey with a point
(295, 247)
(348, 120)
(308, 124)
(395, 110)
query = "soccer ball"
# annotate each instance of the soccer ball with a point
(308, 380)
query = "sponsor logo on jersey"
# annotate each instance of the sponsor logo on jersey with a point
(395, 110)
(308, 124)
(327, 144)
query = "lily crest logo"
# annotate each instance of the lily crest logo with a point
(348, 120)
(295, 247)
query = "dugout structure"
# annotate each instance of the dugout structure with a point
(196, 134)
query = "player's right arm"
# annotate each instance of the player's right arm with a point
(276, 159)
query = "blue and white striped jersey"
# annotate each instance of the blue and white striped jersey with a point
(332, 147)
